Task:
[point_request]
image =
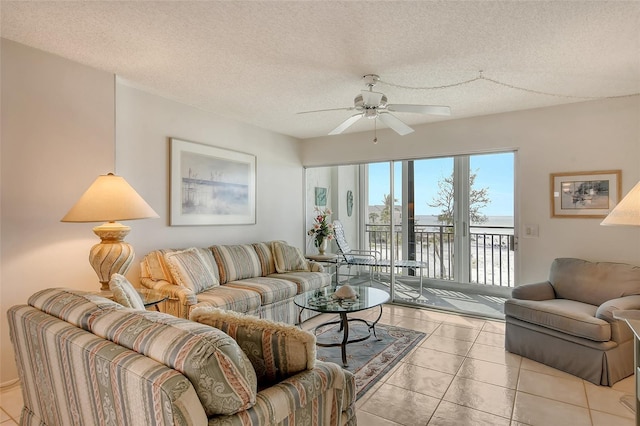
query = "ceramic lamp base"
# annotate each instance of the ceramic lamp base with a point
(111, 255)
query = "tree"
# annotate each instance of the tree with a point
(373, 217)
(478, 199)
(385, 215)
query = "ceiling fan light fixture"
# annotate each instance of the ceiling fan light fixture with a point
(373, 105)
(371, 113)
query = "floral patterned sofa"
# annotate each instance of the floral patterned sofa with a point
(86, 360)
(259, 279)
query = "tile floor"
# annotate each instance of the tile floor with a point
(460, 374)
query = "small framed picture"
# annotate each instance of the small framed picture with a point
(321, 196)
(211, 185)
(585, 194)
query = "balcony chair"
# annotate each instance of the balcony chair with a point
(373, 259)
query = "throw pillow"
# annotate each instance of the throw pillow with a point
(191, 270)
(276, 350)
(236, 262)
(265, 254)
(218, 369)
(289, 258)
(154, 266)
(124, 293)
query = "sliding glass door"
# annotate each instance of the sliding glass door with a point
(452, 215)
(439, 222)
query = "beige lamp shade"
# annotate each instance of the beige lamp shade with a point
(108, 199)
(627, 212)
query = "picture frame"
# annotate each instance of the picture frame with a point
(321, 196)
(211, 185)
(590, 194)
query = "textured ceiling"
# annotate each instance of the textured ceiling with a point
(260, 62)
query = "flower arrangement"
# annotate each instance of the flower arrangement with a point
(322, 229)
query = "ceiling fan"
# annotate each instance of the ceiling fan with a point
(373, 105)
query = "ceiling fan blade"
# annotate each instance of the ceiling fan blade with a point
(395, 123)
(330, 109)
(371, 98)
(346, 124)
(420, 109)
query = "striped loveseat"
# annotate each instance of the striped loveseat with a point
(85, 360)
(259, 279)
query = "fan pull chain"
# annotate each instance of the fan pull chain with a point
(375, 132)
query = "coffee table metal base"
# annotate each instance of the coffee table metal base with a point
(344, 327)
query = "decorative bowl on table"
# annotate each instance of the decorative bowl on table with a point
(346, 292)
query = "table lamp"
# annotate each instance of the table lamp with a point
(109, 199)
(627, 212)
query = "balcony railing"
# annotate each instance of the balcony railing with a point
(491, 251)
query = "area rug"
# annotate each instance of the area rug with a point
(371, 359)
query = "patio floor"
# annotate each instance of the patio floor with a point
(460, 300)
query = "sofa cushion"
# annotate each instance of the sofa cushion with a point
(305, 281)
(236, 262)
(218, 369)
(593, 282)
(566, 316)
(124, 293)
(270, 289)
(265, 254)
(289, 258)
(189, 269)
(276, 350)
(234, 299)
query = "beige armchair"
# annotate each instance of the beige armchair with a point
(567, 322)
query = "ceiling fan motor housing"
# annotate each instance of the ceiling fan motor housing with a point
(371, 79)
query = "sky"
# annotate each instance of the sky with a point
(494, 171)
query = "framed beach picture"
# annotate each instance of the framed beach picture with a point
(211, 185)
(585, 194)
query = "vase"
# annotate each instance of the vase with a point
(322, 247)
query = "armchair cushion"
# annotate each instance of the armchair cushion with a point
(191, 270)
(236, 262)
(276, 350)
(593, 282)
(289, 258)
(124, 293)
(566, 316)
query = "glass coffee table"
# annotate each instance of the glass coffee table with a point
(322, 300)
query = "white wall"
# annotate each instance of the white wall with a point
(145, 123)
(598, 135)
(57, 137)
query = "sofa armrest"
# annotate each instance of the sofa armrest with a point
(315, 266)
(605, 311)
(327, 389)
(535, 291)
(179, 299)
